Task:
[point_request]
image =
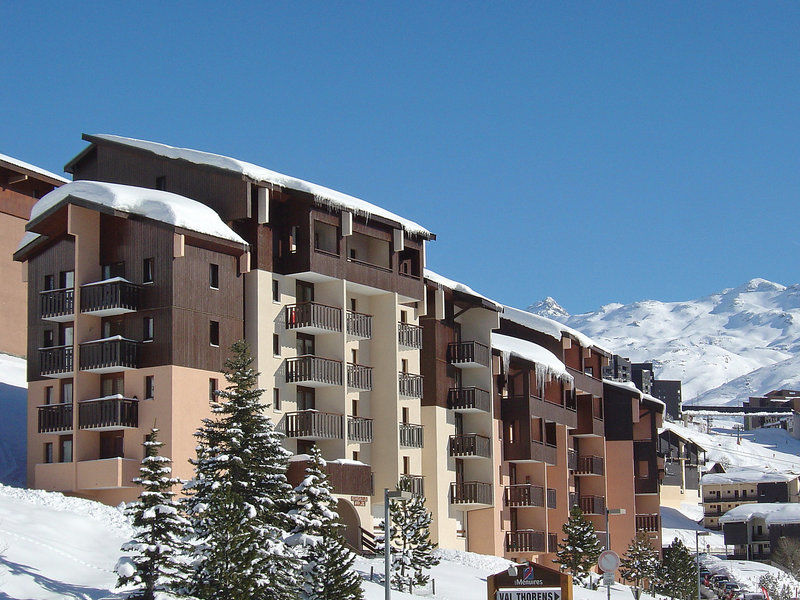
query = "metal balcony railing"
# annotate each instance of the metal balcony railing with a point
(359, 429)
(359, 325)
(109, 354)
(312, 424)
(108, 413)
(409, 336)
(525, 540)
(468, 354)
(552, 542)
(313, 316)
(55, 360)
(524, 495)
(414, 484)
(410, 385)
(359, 377)
(590, 465)
(113, 296)
(470, 444)
(471, 492)
(469, 399)
(411, 435)
(55, 417)
(310, 369)
(57, 303)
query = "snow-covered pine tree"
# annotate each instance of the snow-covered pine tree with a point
(677, 575)
(579, 550)
(159, 549)
(639, 563)
(239, 498)
(412, 549)
(317, 538)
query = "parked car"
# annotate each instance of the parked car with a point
(753, 596)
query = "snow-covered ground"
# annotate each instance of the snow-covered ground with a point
(746, 573)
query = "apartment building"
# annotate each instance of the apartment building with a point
(776, 399)
(683, 458)
(723, 492)
(754, 531)
(21, 185)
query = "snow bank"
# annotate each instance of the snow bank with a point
(547, 365)
(29, 167)
(745, 476)
(324, 196)
(154, 204)
(442, 281)
(772, 512)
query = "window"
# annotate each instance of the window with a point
(276, 344)
(111, 444)
(49, 282)
(276, 399)
(588, 371)
(65, 449)
(116, 269)
(326, 237)
(47, 338)
(644, 469)
(213, 276)
(406, 465)
(147, 270)
(111, 385)
(404, 363)
(66, 392)
(213, 333)
(353, 305)
(66, 279)
(355, 455)
(213, 386)
(354, 411)
(304, 292)
(276, 291)
(405, 414)
(403, 316)
(48, 452)
(149, 387)
(161, 183)
(295, 231)
(354, 354)
(66, 335)
(147, 329)
(306, 399)
(305, 344)
(113, 326)
(48, 394)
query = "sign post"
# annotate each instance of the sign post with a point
(529, 581)
(608, 563)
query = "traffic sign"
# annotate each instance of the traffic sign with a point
(608, 561)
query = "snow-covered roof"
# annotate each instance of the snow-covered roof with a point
(22, 165)
(547, 326)
(745, 476)
(458, 287)
(774, 513)
(324, 196)
(682, 432)
(154, 204)
(655, 400)
(626, 385)
(547, 364)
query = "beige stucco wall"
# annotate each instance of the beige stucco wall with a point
(13, 292)
(673, 496)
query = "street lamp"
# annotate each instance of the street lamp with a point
(387, 558)
(697, 534)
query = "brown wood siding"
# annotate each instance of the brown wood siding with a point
(437, 373)
(51, 261)
(16, 204)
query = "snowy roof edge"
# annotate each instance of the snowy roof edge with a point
(21, 164)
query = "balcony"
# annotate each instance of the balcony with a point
(313, 371)
(590, 465)
(523, 495)
(359, 377)
(410, 435)
(586, 384)
(468, 495)
(409, 336)
(525, 540)
(313, 425)
(410, 386)
(346, 478)
(550, 411)
(468, 355)
(648, 523)
(414, 484)
(534, 451)
(593, 505)
(55, 418)
(57, 305)
(106, 414)
(647, 485)
(110, 297)
(470, 445)
(109, 355)
(359, 325)
(359, 429)
(107, 473)
(313, 318)
(469, 400)
(590, 422)
(56, 361)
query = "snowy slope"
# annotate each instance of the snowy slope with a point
(13, 428)
(705, 342)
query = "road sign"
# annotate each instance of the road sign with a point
(608, 561)
(608, 578)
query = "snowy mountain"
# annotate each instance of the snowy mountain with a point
(708, 342)
(549, 308)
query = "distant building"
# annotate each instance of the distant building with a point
(780, 399)
(618, 369)
(725, 491)
(642, 375)
(669, 392)
(683, 458)
(752, 532)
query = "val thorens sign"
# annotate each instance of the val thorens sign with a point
(529, 581)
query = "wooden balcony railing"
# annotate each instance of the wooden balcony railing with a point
(414, 484)
(470, 444)
(57, 303)
(593, 505)
(55, 417)
(524, 494)
(552, 542)
(113, 296)
(468, 354)
(650, 522)
(313, 316)
(411, 435)
(551, 498)
(410, 385)
(409, 336)
(55, 360)
(359, 325)
(344, 477)
(359, 429)
(471, 492)
(310, 369)
(469, 399)
(359, 377)
(108, 413)
(109, 354)
(572, 459)
(312, 424)
(525, 540)
(590, 465)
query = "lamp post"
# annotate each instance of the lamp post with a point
(697, 534)
(387, 557)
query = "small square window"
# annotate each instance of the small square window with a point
(149, 387)
(213, 386)
(276, 291)
(276, 399)
(213, 276)
(213, 333)
(355, 455)
(48, 338)
(276, 344)
(147, 270)
(147, 329)
(161, 183)
(49, 282)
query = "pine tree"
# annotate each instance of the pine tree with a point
(159, 549)
(317, 538)
(579, 550)
(239, 498)
(412, 549)
(677, 576)
(640, 563)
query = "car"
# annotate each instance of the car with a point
(732, 586)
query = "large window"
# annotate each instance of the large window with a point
(326, 237)
(370, 250)
(213, 333)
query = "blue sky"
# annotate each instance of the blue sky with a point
(592, 152)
